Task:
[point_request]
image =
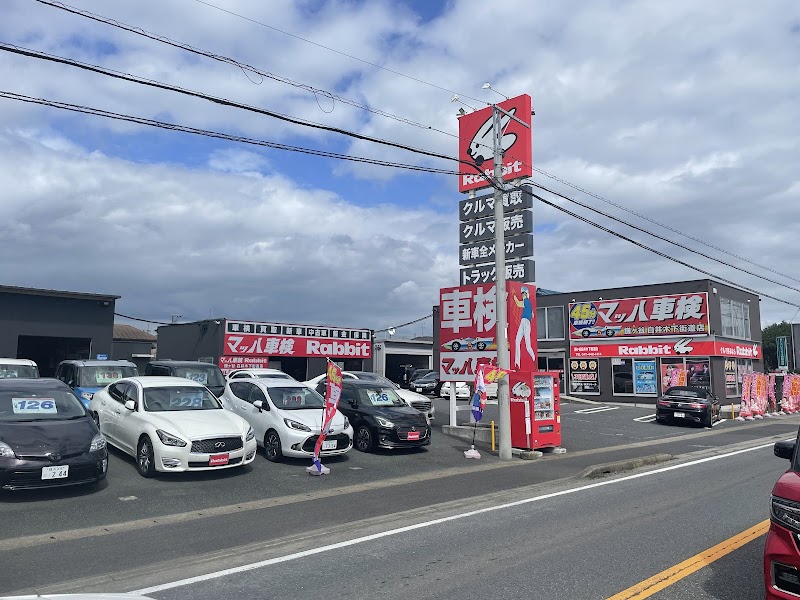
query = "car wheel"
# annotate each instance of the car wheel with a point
(609, 333)
(272, 446)
(481, 346)
(585, 333)
(363, 439)
(455, 346)
(145, 461)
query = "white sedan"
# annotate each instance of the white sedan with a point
(287, 417)
(172, 424)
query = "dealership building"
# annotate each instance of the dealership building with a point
(622, 344)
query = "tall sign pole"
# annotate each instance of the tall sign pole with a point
(503, 361)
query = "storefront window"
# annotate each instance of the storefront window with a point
(735, 318)
(644, 378)
(622, 374)
(731, 383)
(668, 366)
(584, 376)
(699, 373)
(695, 372)
(550, 323)
(742, 366)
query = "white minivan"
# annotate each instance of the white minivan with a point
(23, 368)
(286, 416)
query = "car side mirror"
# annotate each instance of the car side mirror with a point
(259, 404)
(784, 449)
(130, 405)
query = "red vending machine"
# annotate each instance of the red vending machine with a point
(535, 411)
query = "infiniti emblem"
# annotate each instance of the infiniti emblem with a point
(53, 456)
(219, 445)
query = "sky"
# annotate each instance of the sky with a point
(682, 114)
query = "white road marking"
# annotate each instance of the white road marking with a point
(128, 498)
(589, 411)
(399, 530)
(645, 419)
(718, 422)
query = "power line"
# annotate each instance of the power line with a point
(243, 66)
(217, 100)
(655, 222)
(404, 324)
(213, 134)
(142, 320)
(662, 238)
(377, 66)
(659, 253)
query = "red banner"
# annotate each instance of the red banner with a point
(669, 315)
(674, 348)
(468, 329)
(476, 143)
(333, 391)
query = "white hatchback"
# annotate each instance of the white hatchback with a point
(287, 417)
(171, 424)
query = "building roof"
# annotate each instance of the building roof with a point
(10, 289)
(129, 332)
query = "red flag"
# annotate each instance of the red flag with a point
(333, 391)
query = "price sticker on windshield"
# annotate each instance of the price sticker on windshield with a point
(380, 399)
(34, 406)
(198, 376)
(184, 400)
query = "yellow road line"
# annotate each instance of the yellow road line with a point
(666, 578)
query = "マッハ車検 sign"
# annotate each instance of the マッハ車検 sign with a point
(247, 338)
(668, 315)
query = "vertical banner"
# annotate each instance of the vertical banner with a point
(744, 410)
(333, 391)
(522, 338)
(773, 402)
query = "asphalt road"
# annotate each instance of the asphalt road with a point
(586, 542)
(131, 532)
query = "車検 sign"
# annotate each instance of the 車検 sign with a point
(476, 143)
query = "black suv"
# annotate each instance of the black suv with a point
(380, 418)
(208, 374)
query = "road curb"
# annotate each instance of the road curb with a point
(611, 468)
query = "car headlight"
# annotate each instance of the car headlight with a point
(169, 440)
(6, 451)
(384, 422)
(295, 425)
(786, 513)
(250, 435)
(98, 443)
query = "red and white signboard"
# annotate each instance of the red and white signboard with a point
(468, 331)
(669, 315)
(476, 143)
(246, 338)
(671, 348)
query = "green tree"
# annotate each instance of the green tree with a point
(768, 335)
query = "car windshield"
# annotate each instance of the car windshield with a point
(295, 398)
(209, 375)
(102, 376)
(428, 377)
(18, 371)
(43, 405)
(366, 376)
(379, 396)
(172, 398)
(682, 392)
(274, 376)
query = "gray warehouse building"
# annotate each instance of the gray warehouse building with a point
(49, 326)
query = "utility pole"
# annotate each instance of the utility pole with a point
(503, 359)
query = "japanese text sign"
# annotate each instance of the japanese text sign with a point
(277, 339)
(483, 206)
(666, 348)
(476, 143)
(468, 332)
(517, 270)
(516, 246)
(673, 314)
(483, 229)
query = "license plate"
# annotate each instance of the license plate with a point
(329, 444)
(678, 415)
(419, 390)
(218, 459)
(413, 435)
(55, 472)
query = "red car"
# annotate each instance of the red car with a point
(781, 554)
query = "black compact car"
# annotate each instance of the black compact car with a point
(380, 418)
(688, 404)
(47, 437)
(209, 374)
(426, 384)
